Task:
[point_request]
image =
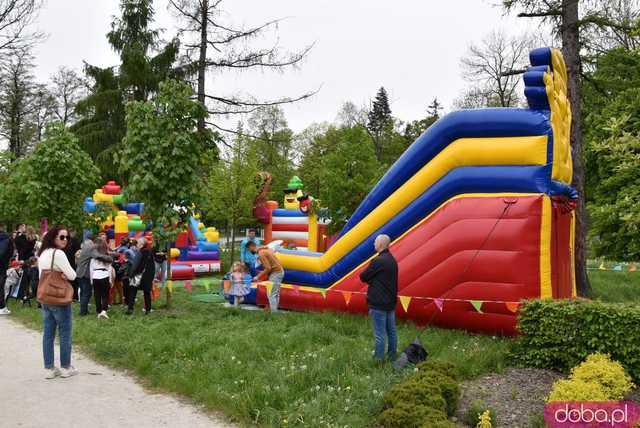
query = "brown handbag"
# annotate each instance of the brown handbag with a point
(53, 287)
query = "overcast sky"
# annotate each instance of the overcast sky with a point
(410, 47)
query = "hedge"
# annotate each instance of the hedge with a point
(560, 334)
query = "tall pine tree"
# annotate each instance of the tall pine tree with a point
(380, 122)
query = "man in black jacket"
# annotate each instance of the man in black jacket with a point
(6, 253)
(382, 277)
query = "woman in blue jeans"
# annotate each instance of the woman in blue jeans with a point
(56, 316)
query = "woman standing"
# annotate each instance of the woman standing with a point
(143, 272)
(26, 243)
(102, 277)
(51, 256)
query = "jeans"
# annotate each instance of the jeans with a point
(3, 279)
(274, 298)
(85, 295)
(384, 324)
(56, 316)
(101, 292)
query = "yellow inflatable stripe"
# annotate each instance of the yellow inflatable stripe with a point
(530, 150)
(545, 250)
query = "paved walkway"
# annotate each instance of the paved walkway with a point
(97, 397)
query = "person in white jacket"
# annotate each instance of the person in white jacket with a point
(102, 276)
(56, 316)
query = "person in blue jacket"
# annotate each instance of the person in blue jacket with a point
(246, 256)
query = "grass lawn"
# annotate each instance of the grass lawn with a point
(294, 369)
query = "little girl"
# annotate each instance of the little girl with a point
(240, 283)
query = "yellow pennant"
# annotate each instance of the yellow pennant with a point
(602, 266)
(269, 286)
(170, 286)
(323, 291)
(347, 296)
(404, 301)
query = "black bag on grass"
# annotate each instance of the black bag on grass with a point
(414, 353)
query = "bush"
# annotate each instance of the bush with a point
(598, 368)
(424, 399)
(559, 334)
(475, 410)
(596, 379)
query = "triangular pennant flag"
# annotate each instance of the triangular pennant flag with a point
(170, 286)
(512, 306)
(207, 286)
(617, 268)
(269, 286)
(633, 268)
(477, 304)
(602, 266)
(296, 288)
(226, 284)
(439, 303)
(347, 296)
(323, 291)
(404, 301)
(188, 286)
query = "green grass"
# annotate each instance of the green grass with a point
(616, 287)
(294, 369)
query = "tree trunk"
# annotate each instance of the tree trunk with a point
(571, 50)
(202, 61)
(233, 241)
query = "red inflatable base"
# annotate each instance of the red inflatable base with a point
(443, 284)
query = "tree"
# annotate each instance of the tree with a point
(351, 115)
(231, 185)
(313, 144)
(51, 182)
(485, 64)
(160, 152)
(16, 17)
(42, 110)
(144, 64)
(67, 89)
(379, 121)
(217, 46)
(349, 173)
(17, 85)
(415, 128)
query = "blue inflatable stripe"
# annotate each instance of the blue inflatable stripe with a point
(498, 122)
(279, 212)
(477, 179)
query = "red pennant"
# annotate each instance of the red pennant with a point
(512, 306)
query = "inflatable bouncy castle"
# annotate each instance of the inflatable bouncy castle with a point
(480, 213)
(196, 251)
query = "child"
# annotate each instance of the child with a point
(102, 277)
(14, 274)
(239, 280)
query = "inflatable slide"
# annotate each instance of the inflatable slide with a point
(480, 213)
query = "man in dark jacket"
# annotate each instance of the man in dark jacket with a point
(6, 252)
(382, 277)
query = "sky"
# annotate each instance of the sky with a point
(412, 48)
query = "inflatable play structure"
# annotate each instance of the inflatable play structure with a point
(297, 224)
(479, 210)
(196, 249)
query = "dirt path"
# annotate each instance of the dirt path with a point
(98, 396)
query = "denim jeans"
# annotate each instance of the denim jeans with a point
(161, 267)
(274, 298)
(3, 279)
(384, 324)
(56, 316)
(85, 294)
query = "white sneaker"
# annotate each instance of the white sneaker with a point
(52, 373)
(71, 371)
(104, 315)
(5, 311)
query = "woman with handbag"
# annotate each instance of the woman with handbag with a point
(55, 293)
(143, 270)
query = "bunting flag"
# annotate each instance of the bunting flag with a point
(513, 306)
(169, 286)
(188, 286)
(347, 296)
(207, 286)
(323, 291)
(602, 266)
(439, 303)
(226, 284)
(296, 288)
(477, 304)
(404, 301)
(617, 268)
(633, 267)
(269, 286)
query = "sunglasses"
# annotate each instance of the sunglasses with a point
(63, 237)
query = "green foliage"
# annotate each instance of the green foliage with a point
(94, 221)
(598, 368)
(424, 399)
(50, 183)
(558, 334)
(161, 153)
(475, 411)
(349, 173)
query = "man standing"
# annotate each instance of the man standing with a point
(246, 256)
(6, 252)
(272, 270)
(87, 252)
(382, 277)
